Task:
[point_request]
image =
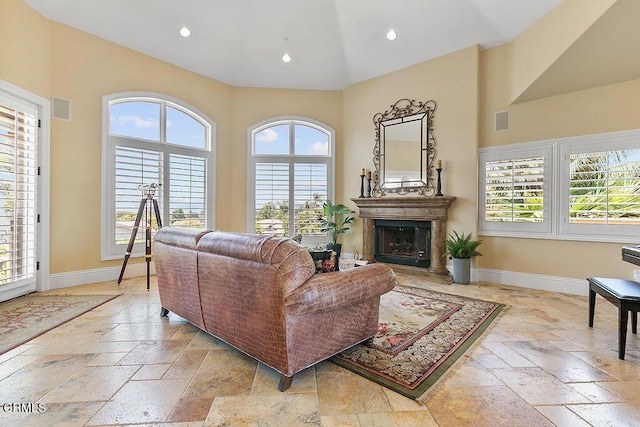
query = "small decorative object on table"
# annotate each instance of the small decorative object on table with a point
(362, 184)
(325, 260)
(368, 183)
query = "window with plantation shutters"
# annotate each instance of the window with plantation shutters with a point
(18, 194)
(514, 190)
(153, 139)
(600, 187)
(604, 187)
(584, 188)
(290, 177)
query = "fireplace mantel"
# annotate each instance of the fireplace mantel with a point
(434, 209)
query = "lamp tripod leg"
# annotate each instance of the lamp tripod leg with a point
(145, 208)
(132, 239)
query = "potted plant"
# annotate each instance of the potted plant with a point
(461, 249)
(336, 219)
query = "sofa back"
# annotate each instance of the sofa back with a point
(244, 279)
(290, 260)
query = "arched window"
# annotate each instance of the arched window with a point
(291, 162)
(154, 139)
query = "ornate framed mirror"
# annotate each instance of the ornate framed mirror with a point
(404, 150)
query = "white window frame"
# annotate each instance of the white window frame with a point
(612, 141)
(111, 250)
(292, 159)
(544, 149)
(556, 188)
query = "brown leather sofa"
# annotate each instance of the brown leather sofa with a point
(259, 294)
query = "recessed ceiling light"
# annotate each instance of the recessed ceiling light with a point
(286, 58)
(391, 35)
(184, 32)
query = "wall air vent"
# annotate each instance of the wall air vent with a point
(501, 121)
(61, 109)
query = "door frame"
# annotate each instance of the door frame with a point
(44, 155)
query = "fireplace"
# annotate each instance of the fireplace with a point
(431, 210)
(402, 242)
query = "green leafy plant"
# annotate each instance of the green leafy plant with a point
(335, 219)
(461, 246)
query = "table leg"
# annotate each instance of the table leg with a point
(592, 306)
(623, 319)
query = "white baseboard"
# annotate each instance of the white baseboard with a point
(510, 278)
(533, 281)
(97, 275)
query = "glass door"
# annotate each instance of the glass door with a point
(18, 196)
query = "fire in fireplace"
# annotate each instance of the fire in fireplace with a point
(402, 242)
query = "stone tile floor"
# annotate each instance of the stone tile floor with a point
(122, 364)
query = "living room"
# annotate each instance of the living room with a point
(541, 78)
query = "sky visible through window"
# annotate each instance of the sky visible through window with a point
(141, 119)
(308, 141)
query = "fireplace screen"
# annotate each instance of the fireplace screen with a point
(402, 242)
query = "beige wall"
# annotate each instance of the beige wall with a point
(25, 55)
(603, 109)
(452, 81)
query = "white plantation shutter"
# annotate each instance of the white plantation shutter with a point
(134, 167)
(310, 192)
(604, 187)
(188, 194)
(18, 194)
(514, 190)
(272, 189)
(599, 197)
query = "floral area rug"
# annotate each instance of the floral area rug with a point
(421, 334)
(26, 317)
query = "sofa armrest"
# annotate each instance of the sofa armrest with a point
(339, 289)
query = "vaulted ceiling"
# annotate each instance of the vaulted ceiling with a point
(606, 53)
(332, 43)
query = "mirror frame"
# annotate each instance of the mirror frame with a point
(406, 110)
